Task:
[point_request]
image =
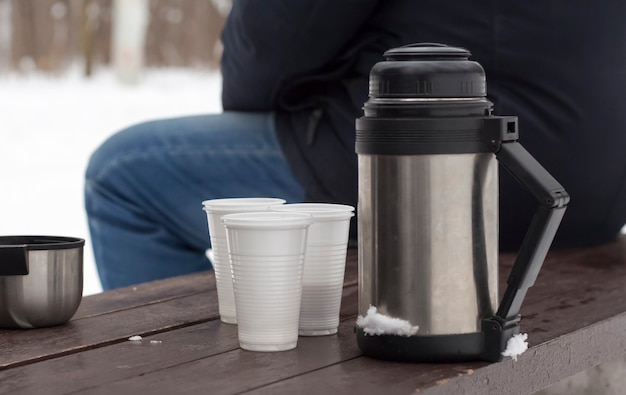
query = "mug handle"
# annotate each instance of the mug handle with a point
(553, 200)
(13, 260)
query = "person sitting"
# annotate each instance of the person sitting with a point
(295, 77)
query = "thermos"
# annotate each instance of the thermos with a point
(428, 150)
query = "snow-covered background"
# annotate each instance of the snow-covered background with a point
(50, 125)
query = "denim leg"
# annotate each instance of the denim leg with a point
(144, 188)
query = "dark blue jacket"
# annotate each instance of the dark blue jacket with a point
(560, 66)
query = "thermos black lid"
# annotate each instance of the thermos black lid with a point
(427, 70)
(428, 99)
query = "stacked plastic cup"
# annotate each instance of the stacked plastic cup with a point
(324, 265)
(267, 256)
(215, 209)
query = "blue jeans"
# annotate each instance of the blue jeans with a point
(144, 188)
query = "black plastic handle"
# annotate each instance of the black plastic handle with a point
(553, 202)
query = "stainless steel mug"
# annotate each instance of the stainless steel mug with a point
(41, 280)
(428, 150)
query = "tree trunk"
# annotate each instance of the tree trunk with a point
(130, 21)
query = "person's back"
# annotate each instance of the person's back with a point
(295, 78)
(559, 66)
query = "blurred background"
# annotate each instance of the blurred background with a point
(73, 72)
(52, 35)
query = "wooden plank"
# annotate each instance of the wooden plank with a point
(117, 361)
(239, 370)
(302, 368)
(548, 362)
(95, 368)
(538, 368)
(18, 347)
(575, 314)
(145, 293)
(114, 316)
(345, 372)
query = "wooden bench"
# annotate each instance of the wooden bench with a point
(575, 317)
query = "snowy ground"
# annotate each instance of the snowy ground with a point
(50, 125)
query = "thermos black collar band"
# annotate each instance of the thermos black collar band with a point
(424, 136)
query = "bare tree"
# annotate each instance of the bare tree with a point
(51, 34)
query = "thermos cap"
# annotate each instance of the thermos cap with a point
(427, 70)
(420, 51)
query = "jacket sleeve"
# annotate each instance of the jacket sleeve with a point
(268, 43)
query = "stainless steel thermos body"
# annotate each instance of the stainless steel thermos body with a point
(429, 150)
(428, 229)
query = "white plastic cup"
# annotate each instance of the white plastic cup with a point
(215, 209)
(324, 265)
(266, 252)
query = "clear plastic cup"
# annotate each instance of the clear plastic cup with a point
(215, 209)
(267, 257)
(324, 265)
